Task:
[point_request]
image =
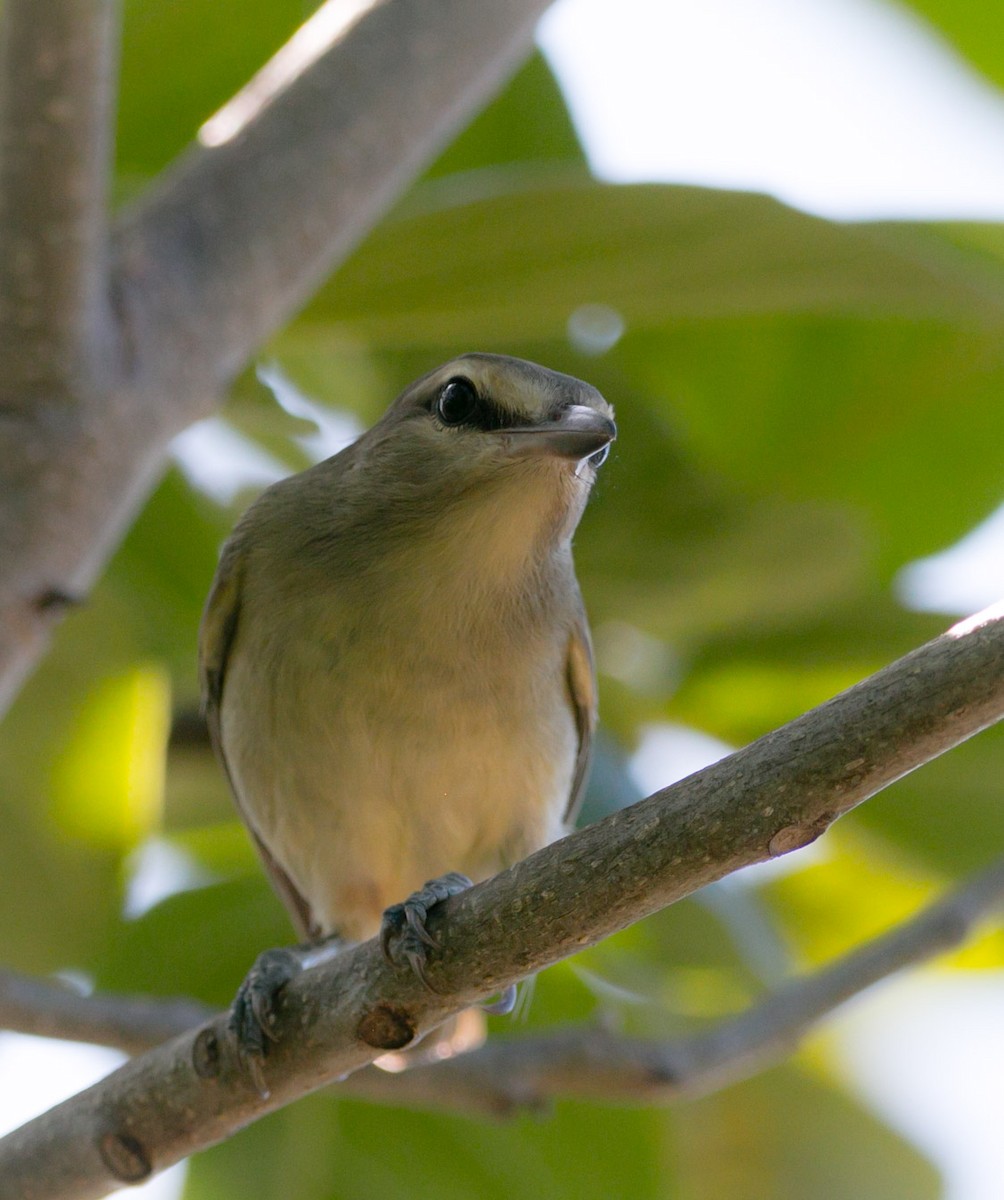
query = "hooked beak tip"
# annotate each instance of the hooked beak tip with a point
(577, 433)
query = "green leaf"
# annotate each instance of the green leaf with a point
(974, 27)
(652, 253)
(108, 786)
(527, 123)
(323, 1149)
(871, 415)
(788, 1135)
(200, 943)
(742, 700)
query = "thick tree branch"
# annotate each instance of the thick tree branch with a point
(581, 1062)
(774, 796)
(57, 86)
(68, 469)
(211, 262)
(297, 167)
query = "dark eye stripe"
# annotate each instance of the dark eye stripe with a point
(459, 403)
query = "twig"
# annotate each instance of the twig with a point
(50, 1008)
(774, 796)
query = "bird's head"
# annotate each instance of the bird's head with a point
(483, 467)
(487, 419)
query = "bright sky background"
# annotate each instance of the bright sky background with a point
(847, 108)
(851, 110)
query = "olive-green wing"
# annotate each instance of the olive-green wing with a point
(581, 676)
(217, 636)
(216, 639)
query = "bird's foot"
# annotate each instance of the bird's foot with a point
(253, 1012)
(403, 934)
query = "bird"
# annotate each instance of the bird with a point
(395, 662)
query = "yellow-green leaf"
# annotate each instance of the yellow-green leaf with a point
(108, 784)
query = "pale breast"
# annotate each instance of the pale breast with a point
(371, 762)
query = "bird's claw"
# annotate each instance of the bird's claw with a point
(253, 1012)
(416, 913)
(403, 934)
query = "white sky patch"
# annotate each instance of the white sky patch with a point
(668, 753)
(846, 108)
(39, 1073)
(336, 428)
(221, 462)
(963, 579)
(927, 1052)
(158, 869)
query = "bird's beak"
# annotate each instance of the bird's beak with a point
(577, 432)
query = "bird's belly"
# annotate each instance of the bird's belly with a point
(362, 796)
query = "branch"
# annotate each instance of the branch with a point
(57, 79)
(68, 466)
(230, 242)
(508, 1074)
(298, 166)
(50, 1008)
(774, 796)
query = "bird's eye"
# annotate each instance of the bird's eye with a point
(600, 457)
(457, 401)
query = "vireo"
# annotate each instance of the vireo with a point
(395, 660)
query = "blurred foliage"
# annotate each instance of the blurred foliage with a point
(804, 408)
(789, 1134)
(973, 27)
(108, 784)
